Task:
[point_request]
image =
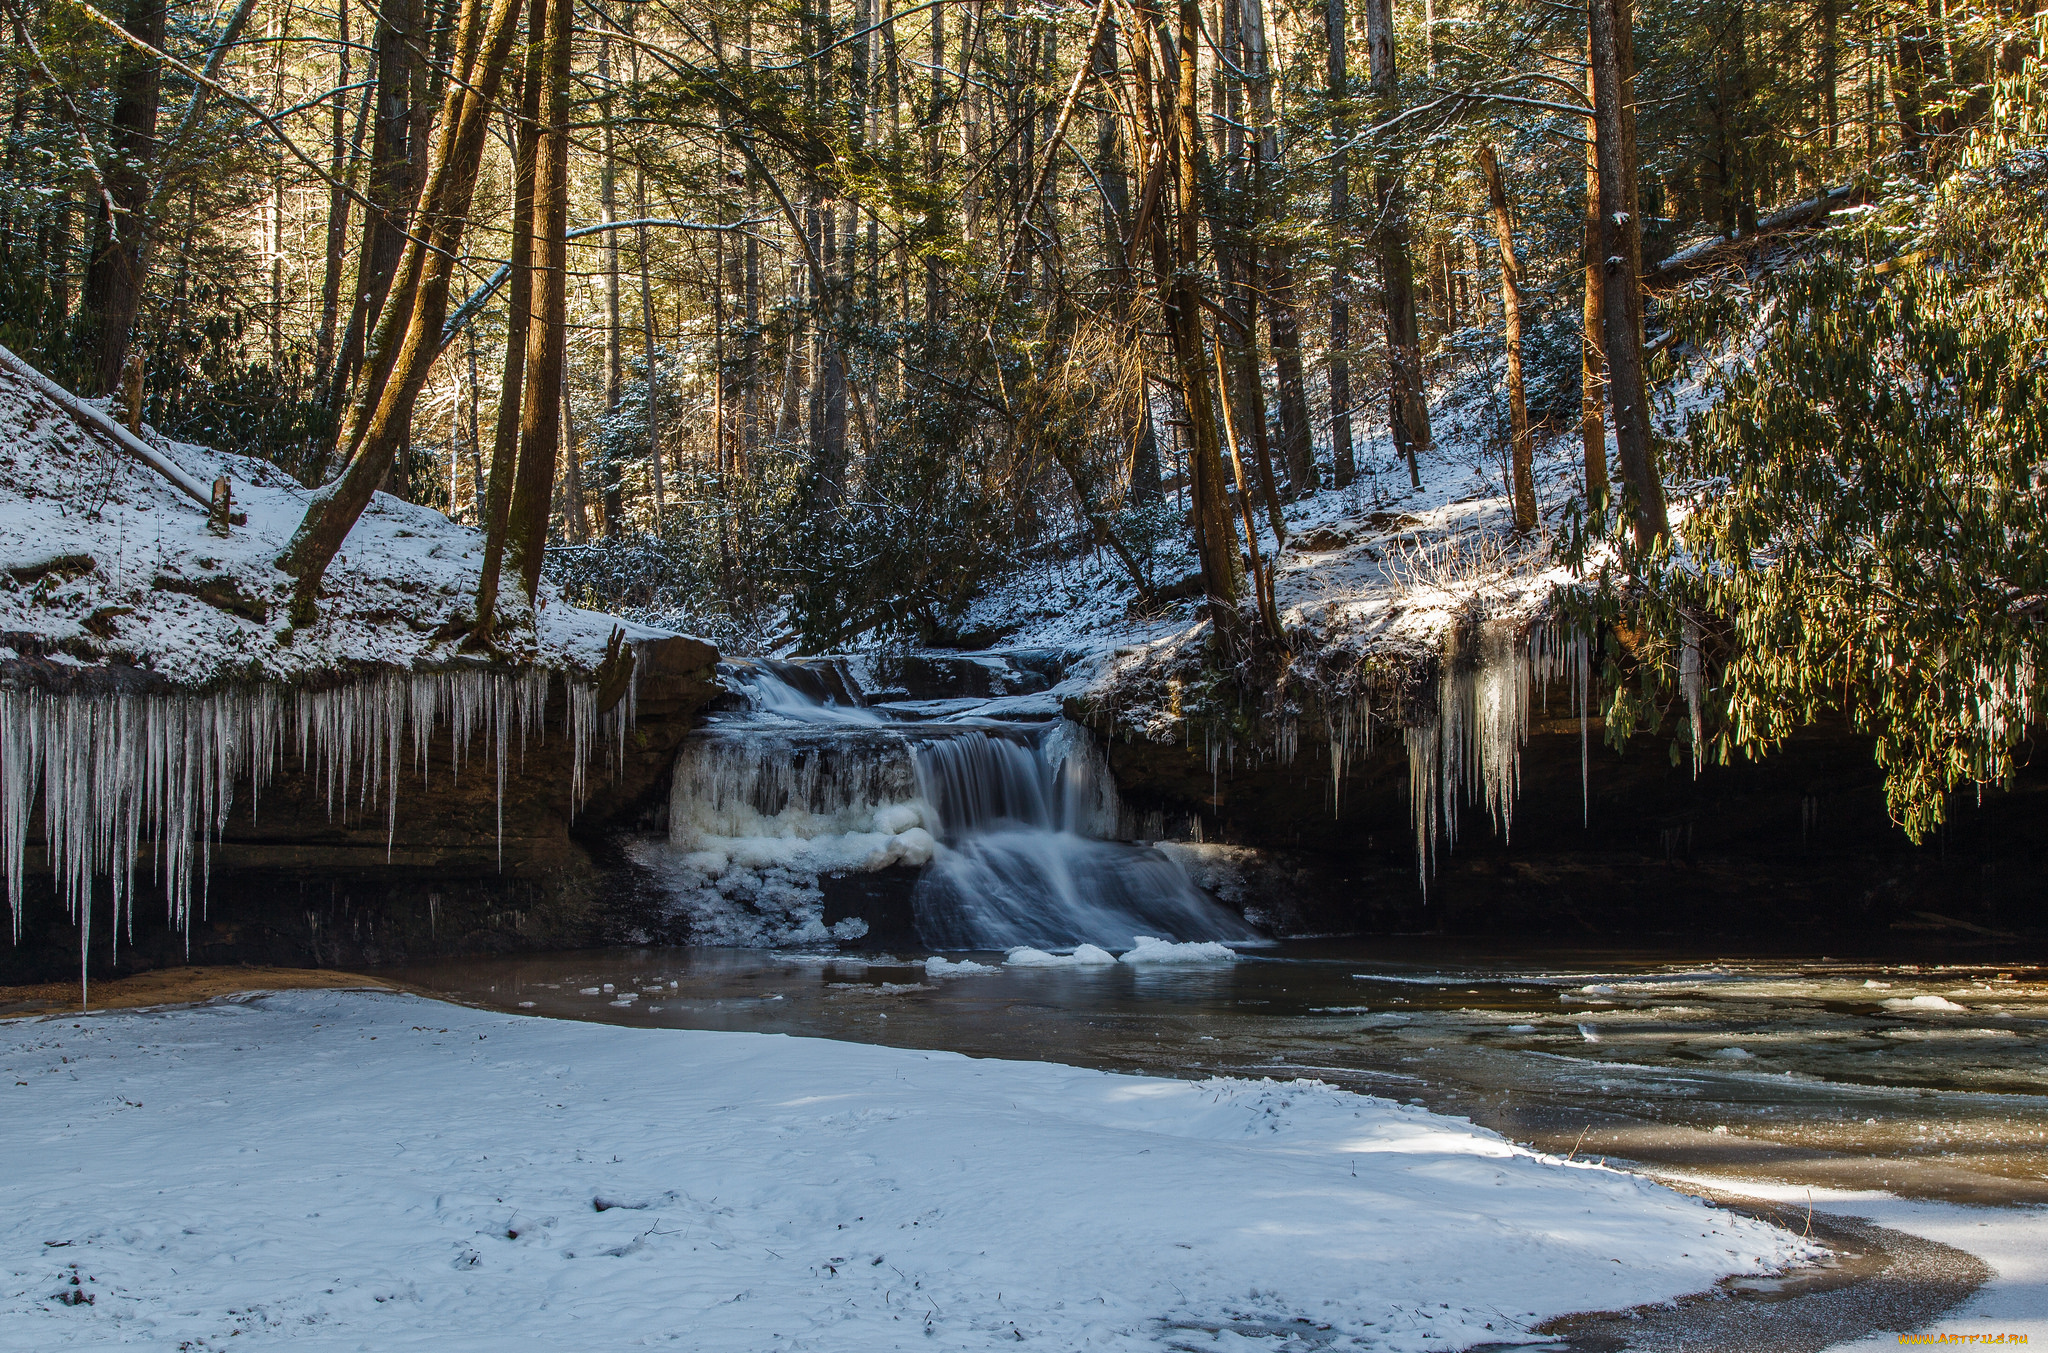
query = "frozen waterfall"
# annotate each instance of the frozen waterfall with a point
(1010, 824)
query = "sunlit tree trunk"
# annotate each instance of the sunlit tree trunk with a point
(1521, 450)
(540, 421)
(1592, 340)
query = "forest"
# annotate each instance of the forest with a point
(794, 323)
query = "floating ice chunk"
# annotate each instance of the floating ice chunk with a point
(608, 988)
(526, 1005)
(592, 991)
(936, 966)
(1922, 1003)
(1147, 949)
(1087, 956)
(1597, 989)
(1878, 986)
(1589, 1033)
(1521, 1028)
(851, 928)
(1732, 1054)
(625, 1002)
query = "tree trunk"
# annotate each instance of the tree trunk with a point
(1215, 538)
(1592, 342)
(546, 343)
(1297, 450)
(1620, 247)
(572, 478)
(652, 359)
(115, 275)
(385, 220)
(1524, 487)
(1407, 383)
(1343, 463)
(518, 322)
(341, 160)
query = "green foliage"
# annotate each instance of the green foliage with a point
(1874, 531)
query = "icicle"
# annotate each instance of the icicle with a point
(1423, 750)
(1692, 682)
(124, 778)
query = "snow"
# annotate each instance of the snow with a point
(1084, 956)
(940, 966)
(1151, 950)
(104, 563)
(344, 1170)
(2008, 1239)
(1941, 1003)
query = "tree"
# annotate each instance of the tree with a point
(1524, 490)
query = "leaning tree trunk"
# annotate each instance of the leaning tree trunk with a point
(1524, 487)
(415, 313)
(1620, 246)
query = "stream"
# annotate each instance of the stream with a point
(1018, 877)
(1928, 1080)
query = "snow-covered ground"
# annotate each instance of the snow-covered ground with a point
(2013, 1242)
(1378, 559)
(375, 1171)
(103, 562)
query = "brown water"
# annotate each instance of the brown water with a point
(1930, 1080)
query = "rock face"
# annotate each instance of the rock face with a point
(1789, 849)
(298, 884)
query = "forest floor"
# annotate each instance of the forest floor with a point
(182, 1177)
(105, 566)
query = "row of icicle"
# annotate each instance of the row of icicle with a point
(120, 776)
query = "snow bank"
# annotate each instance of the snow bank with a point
(104, 565)
(346, 1170)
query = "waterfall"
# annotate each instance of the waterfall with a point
(1011, 826)
(119, 777)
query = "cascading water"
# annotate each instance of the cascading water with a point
(1009, 823)
(1020, 860)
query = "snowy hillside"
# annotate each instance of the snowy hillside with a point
(104, 565)
(1374, 575)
